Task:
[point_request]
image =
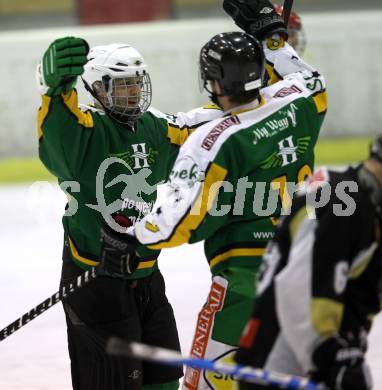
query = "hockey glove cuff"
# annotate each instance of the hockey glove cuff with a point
(256, 17)
(118, 250)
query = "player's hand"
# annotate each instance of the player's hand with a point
(62, 63)
(341, 366)
(118, 250)
(256, 17)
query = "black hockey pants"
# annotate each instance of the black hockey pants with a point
(135, 310)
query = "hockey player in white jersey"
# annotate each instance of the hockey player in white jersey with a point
(267, 136)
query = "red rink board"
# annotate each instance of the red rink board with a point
(120, 11)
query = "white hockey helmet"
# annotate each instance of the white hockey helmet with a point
(116, 76)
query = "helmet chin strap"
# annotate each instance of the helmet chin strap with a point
(214, 98)
(91, 91)
(371, 185)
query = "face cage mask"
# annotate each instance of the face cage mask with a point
(127, 99)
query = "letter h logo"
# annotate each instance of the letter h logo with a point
(287, 150)
(140, 156)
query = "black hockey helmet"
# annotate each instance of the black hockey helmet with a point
(236, 60)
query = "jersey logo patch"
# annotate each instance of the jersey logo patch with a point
(287, 154)
(140, 158)
(215, 133)
(275, 42)
(286, 91)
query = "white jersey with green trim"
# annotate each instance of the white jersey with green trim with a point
(271, 136)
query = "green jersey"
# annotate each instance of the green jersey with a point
(234, 175)
(106, 167)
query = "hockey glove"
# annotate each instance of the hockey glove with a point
(61, 64)
(341, 366)
(256, 17)
(118, 250)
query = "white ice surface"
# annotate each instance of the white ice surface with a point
(36, 358)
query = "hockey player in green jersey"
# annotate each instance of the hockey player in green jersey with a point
(229, 175)
(109, 159)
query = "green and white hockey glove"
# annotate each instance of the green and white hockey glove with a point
(61, 64)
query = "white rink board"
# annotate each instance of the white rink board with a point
(36, 358)
(346, 47)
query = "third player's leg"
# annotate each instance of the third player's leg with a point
(103, 308)
(219, 326)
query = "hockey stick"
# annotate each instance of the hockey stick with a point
(287, 9)
(63, 292)
(117, 346)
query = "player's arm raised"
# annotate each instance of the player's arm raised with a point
(63, 128)
(259, 18)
